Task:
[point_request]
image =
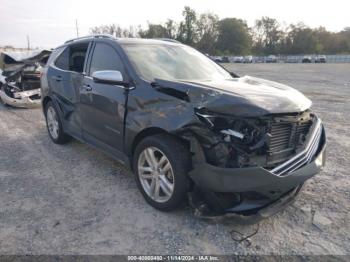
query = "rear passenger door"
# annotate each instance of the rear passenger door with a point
(103, 105)
(66, 79)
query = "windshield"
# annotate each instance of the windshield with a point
(173, 62)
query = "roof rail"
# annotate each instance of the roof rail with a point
(90, 36)
(169, 40)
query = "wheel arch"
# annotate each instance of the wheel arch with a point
(150, 131)
(45, 101)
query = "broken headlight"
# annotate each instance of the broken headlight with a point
(236, 141)
(243, 131)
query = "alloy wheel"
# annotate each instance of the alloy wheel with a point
(156, 174)
(52, 122)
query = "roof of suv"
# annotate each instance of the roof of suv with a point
(146, 41)
(124, 40)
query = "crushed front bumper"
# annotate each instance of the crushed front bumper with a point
(252, 191)
(22, 99)
(256, 216)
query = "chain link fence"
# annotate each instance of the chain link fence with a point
(299, 58)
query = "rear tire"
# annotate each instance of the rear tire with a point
(2, 90)
(160, 165)
(54, 125)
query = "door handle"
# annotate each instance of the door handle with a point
(87, 87)
(57, 78)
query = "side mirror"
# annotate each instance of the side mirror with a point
(111, 77)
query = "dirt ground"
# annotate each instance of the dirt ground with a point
(73, 199)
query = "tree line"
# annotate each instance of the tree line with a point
(232, 36)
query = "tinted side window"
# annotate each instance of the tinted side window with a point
(77, 57)
(62, 61)
(105, 58)
(73, 58)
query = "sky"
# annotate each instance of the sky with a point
(49, 23)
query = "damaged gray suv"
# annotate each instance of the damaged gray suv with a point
(188, 128)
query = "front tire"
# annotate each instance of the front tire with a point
(161, 164)
(54, 125)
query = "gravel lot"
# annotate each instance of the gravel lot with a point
(73, 199)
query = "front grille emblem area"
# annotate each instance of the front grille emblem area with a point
(306, 155)
(286, 139)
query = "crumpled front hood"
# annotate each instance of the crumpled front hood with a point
(244, 96)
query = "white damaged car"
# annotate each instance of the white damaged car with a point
(20, 77)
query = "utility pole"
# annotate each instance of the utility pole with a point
(76, 26)
(28, 43)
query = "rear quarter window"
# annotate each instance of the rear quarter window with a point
(62, 62)
(54, 55)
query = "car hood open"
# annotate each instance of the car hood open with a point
(244, 96)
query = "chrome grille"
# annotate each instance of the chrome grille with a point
(303, 157)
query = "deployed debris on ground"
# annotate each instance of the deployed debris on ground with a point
(20, 77)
